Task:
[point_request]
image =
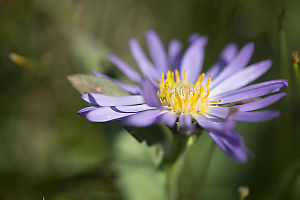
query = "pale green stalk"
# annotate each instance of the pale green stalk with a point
(296, 71)
(172, 163)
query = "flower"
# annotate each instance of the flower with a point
(173, 91)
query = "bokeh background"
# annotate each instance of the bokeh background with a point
(47, 150)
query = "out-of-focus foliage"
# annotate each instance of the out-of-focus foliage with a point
(48, 151)
(137, 165)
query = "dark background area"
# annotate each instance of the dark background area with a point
(47, 150)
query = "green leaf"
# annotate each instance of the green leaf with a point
(139, 177)
(93, 84)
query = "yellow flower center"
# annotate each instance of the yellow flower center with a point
(183, 96)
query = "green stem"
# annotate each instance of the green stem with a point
(174, 150)
(172, 163)
(172, 178)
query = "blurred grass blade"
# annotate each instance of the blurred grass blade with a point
(282, 46)
(87, 52)
(296, 71)
(287, 183)
(284, 133)
(93, 84)
(285, 70)
(284, 67)
(233, 15)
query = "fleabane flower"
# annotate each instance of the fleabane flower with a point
(173, 91)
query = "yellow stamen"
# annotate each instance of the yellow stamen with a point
(162, 79)
(184, 97)
(207, 94)
(177, 76)
(200, 79)
(215, 101)
(184, 77)
(208, 82)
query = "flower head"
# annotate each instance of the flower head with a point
(173, 91)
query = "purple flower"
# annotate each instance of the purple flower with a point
(173, 91)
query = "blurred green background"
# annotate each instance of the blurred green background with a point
(48, 151)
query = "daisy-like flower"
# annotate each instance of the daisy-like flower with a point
(173, 91)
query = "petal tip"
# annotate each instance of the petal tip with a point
(111, 56)
(80, 112)
(150, 32)
(282, 94)
(133, 41)
(285, 82)
(268, 63)
(85, 96)
(276, 113)
(251, 45)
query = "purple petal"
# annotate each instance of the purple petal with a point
(251, 91)
(242, 78)
(157, 51)
(104, 100)
(209, 125)
(261, 103)
(226, 56)
(174, 54)
(193, 37)
(132, 89)
(219, 128)
(192, 60)
(150, 94)
(85, 111)
(236, 151)
(213, 70)
(168, 118)
(105, 114)
(239, 62)
(256, 116)
(135, 108)
(185, 122)
(125, 68)
(228, 52)
(143, 62)
(143, 119)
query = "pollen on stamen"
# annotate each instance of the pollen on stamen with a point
(182, 96)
